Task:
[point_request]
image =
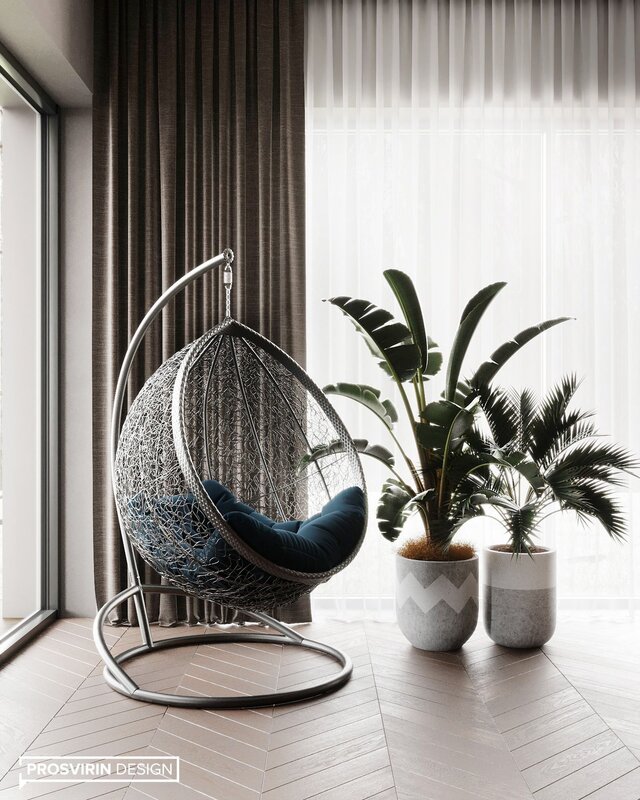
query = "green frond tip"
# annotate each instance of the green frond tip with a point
(337, 448)
(407, 297)
(388, 340)
(471, 316)
(393, 509)
(487, 371)
(592, 460)
(592, 501)
(369, 397)
(435, 359)
(445, 425)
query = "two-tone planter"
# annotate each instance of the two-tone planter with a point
(519, 596)
(437, 601)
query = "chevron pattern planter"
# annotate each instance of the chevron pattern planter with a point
(437, 601)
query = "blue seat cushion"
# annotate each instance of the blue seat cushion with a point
(317, 544)
(181, 516)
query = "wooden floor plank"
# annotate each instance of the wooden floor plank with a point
(547, 724)
(591, 778)
(485, 723)
(571, 760)
(558, 741)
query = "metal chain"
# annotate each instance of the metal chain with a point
(228, 280)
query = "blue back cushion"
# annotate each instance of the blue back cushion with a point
(314, 545)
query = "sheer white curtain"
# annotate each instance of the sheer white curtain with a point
(469, 142)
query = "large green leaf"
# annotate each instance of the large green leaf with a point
(487, 371)
(367, 396)
(488, 497)
(463, 393)
(469, 320)
(445, 423)
(376, 451)
(431, 437)
(337, 447)
(434, 359)
(392, 510)
(524, 465)
(389, 340)
(406, 295)
(442, 530)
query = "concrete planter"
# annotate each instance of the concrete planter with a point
(437, 601)
(519, 597)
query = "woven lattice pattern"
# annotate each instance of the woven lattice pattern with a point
(230, 407)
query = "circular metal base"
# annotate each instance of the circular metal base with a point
(119, 680)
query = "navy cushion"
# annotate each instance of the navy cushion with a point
(314, 545)
(225, 501)
(192, 531)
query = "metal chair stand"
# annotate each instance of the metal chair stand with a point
(168, 442)
(119, 680)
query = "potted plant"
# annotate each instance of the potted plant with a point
(543, 457)
(436, 587)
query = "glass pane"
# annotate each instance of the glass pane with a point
(20, 308)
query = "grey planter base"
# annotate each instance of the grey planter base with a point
(519, 598)
(520, 617)
(437, 602)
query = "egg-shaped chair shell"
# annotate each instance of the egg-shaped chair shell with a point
(234, 409)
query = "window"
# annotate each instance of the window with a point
(463, 149)
(28, 343)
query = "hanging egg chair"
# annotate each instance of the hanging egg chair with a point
(235, 479)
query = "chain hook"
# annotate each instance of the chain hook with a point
(228, 279)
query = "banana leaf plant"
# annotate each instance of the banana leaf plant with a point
(437, 456)
(569, 468)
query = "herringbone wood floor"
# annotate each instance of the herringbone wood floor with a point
(482, 724)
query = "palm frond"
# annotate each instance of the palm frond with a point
(523, 526)
(591, 460)
(526, 404)
(549, 423)
(591, 500)
(464, 499)
(478, 443)
(501, 413)
(574, 429)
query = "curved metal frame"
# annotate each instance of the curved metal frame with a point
(247, 335)
(121, 682)
(114, 674)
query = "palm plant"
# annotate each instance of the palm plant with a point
(437, 457)
(568, 468)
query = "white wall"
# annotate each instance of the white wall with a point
(69, 26)
(53, 39)
(76, 502)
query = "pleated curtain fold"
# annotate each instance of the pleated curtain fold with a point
(198, 145)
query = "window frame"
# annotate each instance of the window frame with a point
(33, 94)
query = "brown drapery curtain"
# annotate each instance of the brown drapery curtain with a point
(198, 144)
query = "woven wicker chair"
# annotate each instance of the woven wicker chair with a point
(234, 408)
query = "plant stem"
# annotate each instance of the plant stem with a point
(418, 384)
(425, 518)
(412, 421)
(420, 487)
